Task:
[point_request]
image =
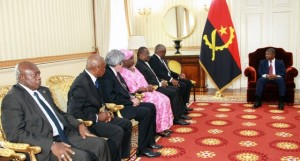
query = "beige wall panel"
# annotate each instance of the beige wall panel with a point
(37, 28)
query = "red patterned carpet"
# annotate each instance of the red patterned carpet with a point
(234, 132)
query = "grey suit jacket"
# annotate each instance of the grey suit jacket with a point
(23, 121)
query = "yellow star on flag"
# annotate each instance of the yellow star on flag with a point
(223, 30)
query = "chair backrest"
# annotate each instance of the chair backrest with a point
(59, 87)
(3, 91)
(259, 54)
(174, 66)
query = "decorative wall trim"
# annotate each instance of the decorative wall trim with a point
(189, 48)
(47, 59)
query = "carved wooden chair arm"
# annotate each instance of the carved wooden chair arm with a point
(23, 148)
(115, 108)
(86, 123)
(8, 153)
(139, 96)
(155, 87)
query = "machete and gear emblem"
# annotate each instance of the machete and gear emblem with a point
(212, 44)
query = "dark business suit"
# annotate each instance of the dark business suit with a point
(178, 106)
(264, 69)
(23, 121)
(162, 72)
(144, 113)
(84, 101)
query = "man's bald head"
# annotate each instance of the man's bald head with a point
(28, 74)
(95, 65)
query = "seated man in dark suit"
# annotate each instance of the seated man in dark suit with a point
(159, 65)
(270, 70)
(84, 101)
(177, 104)
(29, 115)
(116, 91)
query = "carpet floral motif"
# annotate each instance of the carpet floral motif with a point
(185, 130)
(276, 111)
(249, 116)
(290, 158)
(248, 143)
(171, 151)
(198, 114)
(285, 145)
(203, 104)
(215, 131)
(221, 115)
(249, 124)
(281, 125)
(219, 122)
(223, 109)
(228, 131)
(278, 117)
(206, 154)
(211, 141)
(176, 139)
(247, 156)
(248, 132)
(283, 134)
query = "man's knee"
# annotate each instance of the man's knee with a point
(82, 155)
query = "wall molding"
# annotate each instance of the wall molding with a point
(186, 48)
(46, 59)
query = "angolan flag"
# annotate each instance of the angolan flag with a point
(219, 56)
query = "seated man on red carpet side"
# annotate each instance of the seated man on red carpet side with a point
(273, 71)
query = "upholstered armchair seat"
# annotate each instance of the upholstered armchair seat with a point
(271, 91)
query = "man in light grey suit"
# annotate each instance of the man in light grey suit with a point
(29, 115)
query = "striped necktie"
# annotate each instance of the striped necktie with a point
(61, 134)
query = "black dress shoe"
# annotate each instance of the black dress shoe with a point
(163, 134)
(148, 153)
(181, 122)
(185, 112)
(185, 117)
(189, 109)
(155, 146)
(256, 105)
(280, 106)
(169, 131)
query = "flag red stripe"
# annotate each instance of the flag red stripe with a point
(220, 16)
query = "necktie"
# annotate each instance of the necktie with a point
(152, 71)
(169, 73)
(123, 85)
(270, 68)
(54, 119)
(97, 84)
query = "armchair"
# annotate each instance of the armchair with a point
(59, 86)
(175, 66)
(271, 90)
(11, 150)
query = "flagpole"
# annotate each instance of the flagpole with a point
(218, 94)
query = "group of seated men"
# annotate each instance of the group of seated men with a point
(29, 114)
